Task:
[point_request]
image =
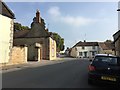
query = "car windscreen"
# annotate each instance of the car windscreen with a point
(105, 59)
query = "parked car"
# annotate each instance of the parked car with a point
(104, 68)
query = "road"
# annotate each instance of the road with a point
(72, 73)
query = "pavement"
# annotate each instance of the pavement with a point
(9, 68)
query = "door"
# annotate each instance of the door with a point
(85, 54)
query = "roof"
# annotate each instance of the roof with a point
(86, 44)
(6, 11)
(24, 33)
(37, 31)
(106, 45)
(20, 34)
(118, 10)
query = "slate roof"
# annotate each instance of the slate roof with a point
(23, 34)
(86, 44)
(20, 34)
(5, 11)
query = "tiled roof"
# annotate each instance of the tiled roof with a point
(86, 44)
(106, 45)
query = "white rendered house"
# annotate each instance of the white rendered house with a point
(85, 49)
(6, 32)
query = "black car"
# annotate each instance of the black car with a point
(104, 68)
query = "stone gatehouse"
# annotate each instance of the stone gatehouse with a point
(38, 40)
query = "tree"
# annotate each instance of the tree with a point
(25, 28)
(18, 26)
(108, 41)
(59, 41)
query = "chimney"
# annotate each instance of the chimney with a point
(38, 19)
(46, 29)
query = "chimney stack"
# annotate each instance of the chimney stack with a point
(38, 19)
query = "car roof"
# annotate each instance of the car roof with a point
(105, 55)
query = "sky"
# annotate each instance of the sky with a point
(73, 21)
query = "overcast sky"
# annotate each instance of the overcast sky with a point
(92, 21)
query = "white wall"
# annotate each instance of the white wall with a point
(52, 49)
(6, 38)
(75, 51)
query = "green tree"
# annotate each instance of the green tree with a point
(59, 41)
(108, 41)
(25, 28)
(18, 26)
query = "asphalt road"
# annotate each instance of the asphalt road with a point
(69, 74)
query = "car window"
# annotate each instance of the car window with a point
(104, 59)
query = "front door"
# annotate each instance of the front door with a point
(85, 54)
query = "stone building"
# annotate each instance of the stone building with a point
(6, 32)
(38, 40)
(106, 48)
(116, 37)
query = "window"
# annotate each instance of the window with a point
(85, 54)
(93, 47)
(106, 60)
(93, 53)
(83, 47)
(80, 53)
(52, 52)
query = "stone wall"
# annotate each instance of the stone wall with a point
(117, 47)
(19, 55)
